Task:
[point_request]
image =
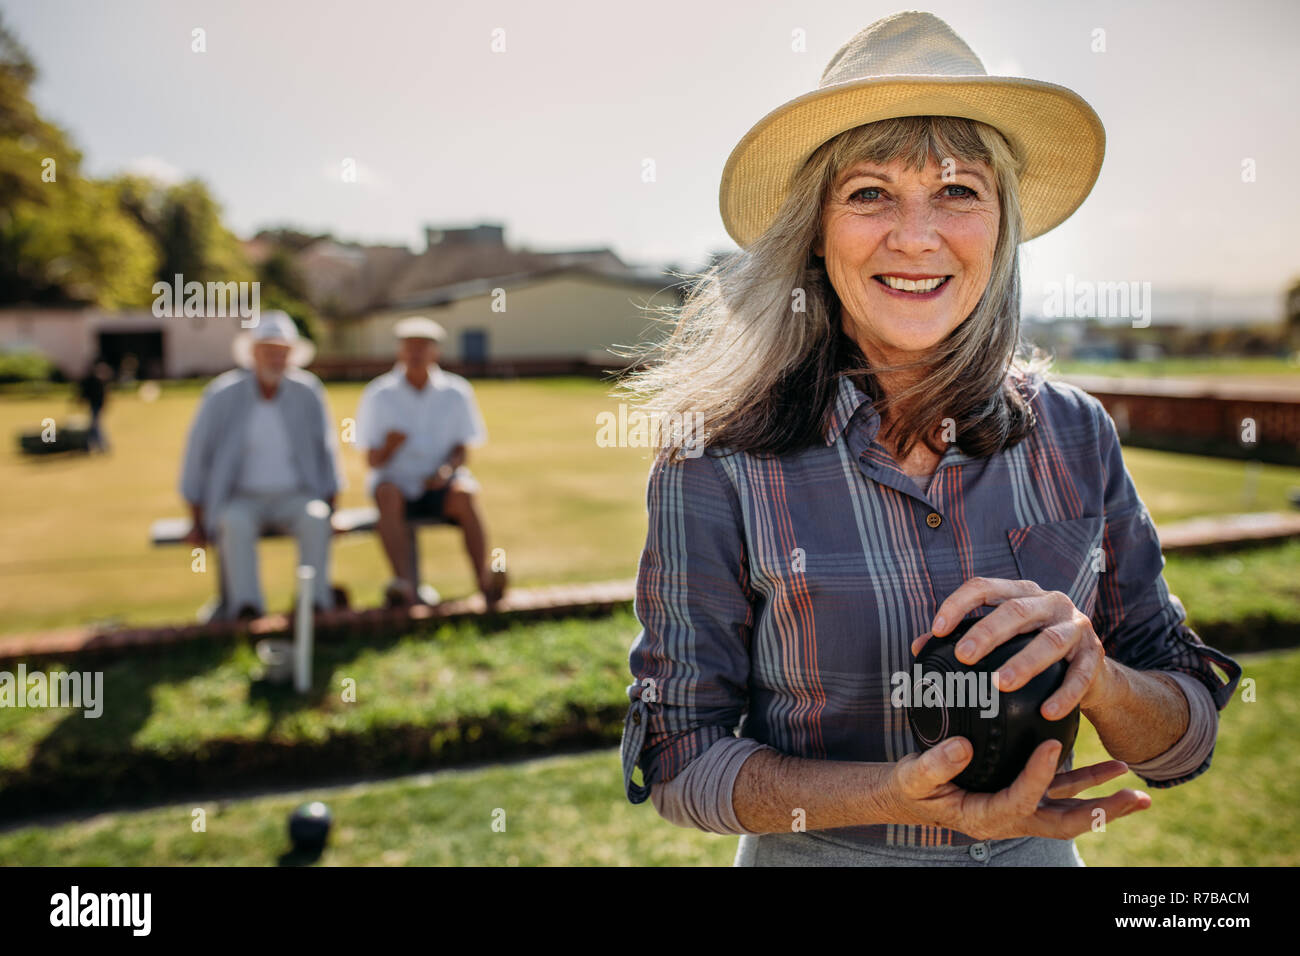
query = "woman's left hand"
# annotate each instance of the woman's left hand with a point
(1022, 607)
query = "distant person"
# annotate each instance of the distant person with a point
(415, 424)
(93, 390)
(262, 454)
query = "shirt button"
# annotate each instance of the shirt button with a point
(979, 852)
(933, 519)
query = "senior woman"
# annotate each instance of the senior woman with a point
(879, 462)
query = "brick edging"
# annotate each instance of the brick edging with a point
(518, 604)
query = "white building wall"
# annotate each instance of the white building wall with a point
(70, 337)
(560, 317)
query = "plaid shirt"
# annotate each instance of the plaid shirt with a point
(781, 595)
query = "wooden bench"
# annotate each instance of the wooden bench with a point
(166, 532)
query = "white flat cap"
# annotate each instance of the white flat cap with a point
(419, 327)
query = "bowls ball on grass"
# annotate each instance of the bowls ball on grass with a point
(946, 702)
(309, 826)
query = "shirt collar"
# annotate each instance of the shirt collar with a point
(848, 400)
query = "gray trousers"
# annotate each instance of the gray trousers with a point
(818, 849)
(242, 522)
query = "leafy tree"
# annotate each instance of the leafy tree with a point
(76, 248)
(63, 239)
(1293, 315)
(184, 222)
(287, 237)
(283, 288)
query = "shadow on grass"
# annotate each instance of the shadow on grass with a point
(84, 765)
(300, 857)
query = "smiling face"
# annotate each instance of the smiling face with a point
(908, 254)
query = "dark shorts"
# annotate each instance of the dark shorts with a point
(428, 505)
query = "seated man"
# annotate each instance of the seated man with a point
(415, 424)
(262, 454)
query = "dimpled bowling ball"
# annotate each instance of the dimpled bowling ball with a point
(952, 699)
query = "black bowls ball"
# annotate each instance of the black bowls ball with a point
(950, 699)
(309, 826)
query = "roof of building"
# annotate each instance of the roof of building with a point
(350, 279)
(456, 291)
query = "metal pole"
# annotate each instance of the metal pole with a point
(303, 631)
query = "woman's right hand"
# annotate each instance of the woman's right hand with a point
(1038, 803)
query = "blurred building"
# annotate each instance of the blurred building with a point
(150, 346)
(553, 320)
(507, 310)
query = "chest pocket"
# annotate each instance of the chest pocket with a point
(1065, 556)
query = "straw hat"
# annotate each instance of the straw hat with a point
(277, 328)
(913, 64)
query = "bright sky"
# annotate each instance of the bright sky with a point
(549, 136)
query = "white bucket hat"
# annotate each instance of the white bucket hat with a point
(913, 64)
(277, 328)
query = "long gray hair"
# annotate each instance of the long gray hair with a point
(758, 346)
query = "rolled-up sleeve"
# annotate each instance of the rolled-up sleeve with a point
(690, 663)
(1141, 624)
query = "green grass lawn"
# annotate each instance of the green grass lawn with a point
(196, 713)
(195, 716)
(1260, 583)
(571, 810)
(564, 509)
(1282, 370)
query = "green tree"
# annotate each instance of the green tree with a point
(185, 224)
(1292, 318)
(283, 288)
(63, 239)
(76, 248)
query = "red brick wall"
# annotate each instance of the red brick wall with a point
(1213, 423)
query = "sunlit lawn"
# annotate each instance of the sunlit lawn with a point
(1281, 370)
(571, 810)
(517, 681)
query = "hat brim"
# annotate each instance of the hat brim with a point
(1059, 136)
(301, 351)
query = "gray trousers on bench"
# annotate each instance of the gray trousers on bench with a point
(241, 524)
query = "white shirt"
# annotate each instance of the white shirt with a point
(267, 467)
(435, 419)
